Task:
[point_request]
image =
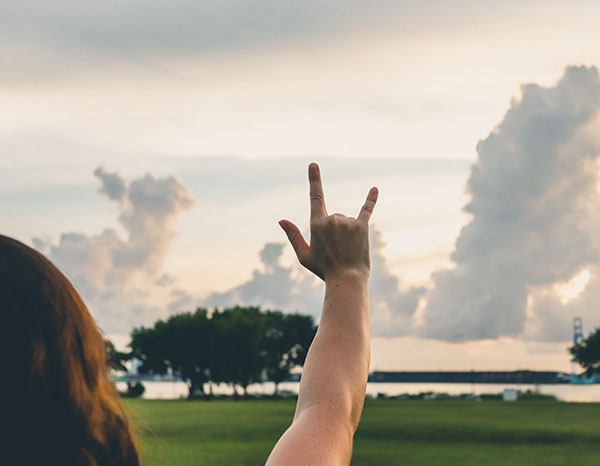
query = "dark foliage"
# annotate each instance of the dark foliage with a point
(238, 346)
(286, 339)
(182, 344)
(115, 360)
(587, 353)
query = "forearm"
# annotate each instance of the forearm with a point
(335, 373)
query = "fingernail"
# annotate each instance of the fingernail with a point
(373, 191)
(313, 169)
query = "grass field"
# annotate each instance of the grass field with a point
(392, 432)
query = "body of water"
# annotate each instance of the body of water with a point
(566, 392)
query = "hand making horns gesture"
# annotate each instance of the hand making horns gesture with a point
(338, 244)
(334, 376)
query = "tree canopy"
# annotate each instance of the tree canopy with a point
(238, 346)
(587, 353)
(181, 345)
(287, 338)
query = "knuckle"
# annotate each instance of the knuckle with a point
(333, 221)
(317, 223)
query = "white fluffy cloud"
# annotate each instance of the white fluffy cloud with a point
(535, 207)
(120, 279)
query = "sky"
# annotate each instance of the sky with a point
(149, 149)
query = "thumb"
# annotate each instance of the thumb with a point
(296, 239)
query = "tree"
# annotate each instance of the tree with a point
(115, 360)
(237, 346)
(286, 339)
(237, 357)
(587, 353)
(183, 343)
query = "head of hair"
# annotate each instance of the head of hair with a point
(57, 404)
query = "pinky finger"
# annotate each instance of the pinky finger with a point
(369, 205)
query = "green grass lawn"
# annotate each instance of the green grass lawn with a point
(391, 432)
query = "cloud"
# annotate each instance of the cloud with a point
(393, 306)
(294, 289)
(112, 184)
(121, 279)
(273, 286)
(534, 206)
(59, 37)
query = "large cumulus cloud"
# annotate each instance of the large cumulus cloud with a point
(534, 206)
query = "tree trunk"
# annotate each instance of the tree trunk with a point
(196, 389)
(276, 392)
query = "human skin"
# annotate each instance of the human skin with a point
(334, 377)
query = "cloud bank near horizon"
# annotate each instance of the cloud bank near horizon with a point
(124, 285)
(294, 289)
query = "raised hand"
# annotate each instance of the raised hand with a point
(338, 244)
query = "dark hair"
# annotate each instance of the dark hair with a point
(57, 404)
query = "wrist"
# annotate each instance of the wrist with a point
(353, 275)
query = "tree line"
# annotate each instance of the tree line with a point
(237, 346)
(240, 346)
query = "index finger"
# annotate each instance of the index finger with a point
(317, 199)
(369, 205)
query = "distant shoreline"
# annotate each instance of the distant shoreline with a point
(479, 377)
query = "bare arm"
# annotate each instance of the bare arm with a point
(334, 377)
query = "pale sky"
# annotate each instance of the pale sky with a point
(235, 98)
